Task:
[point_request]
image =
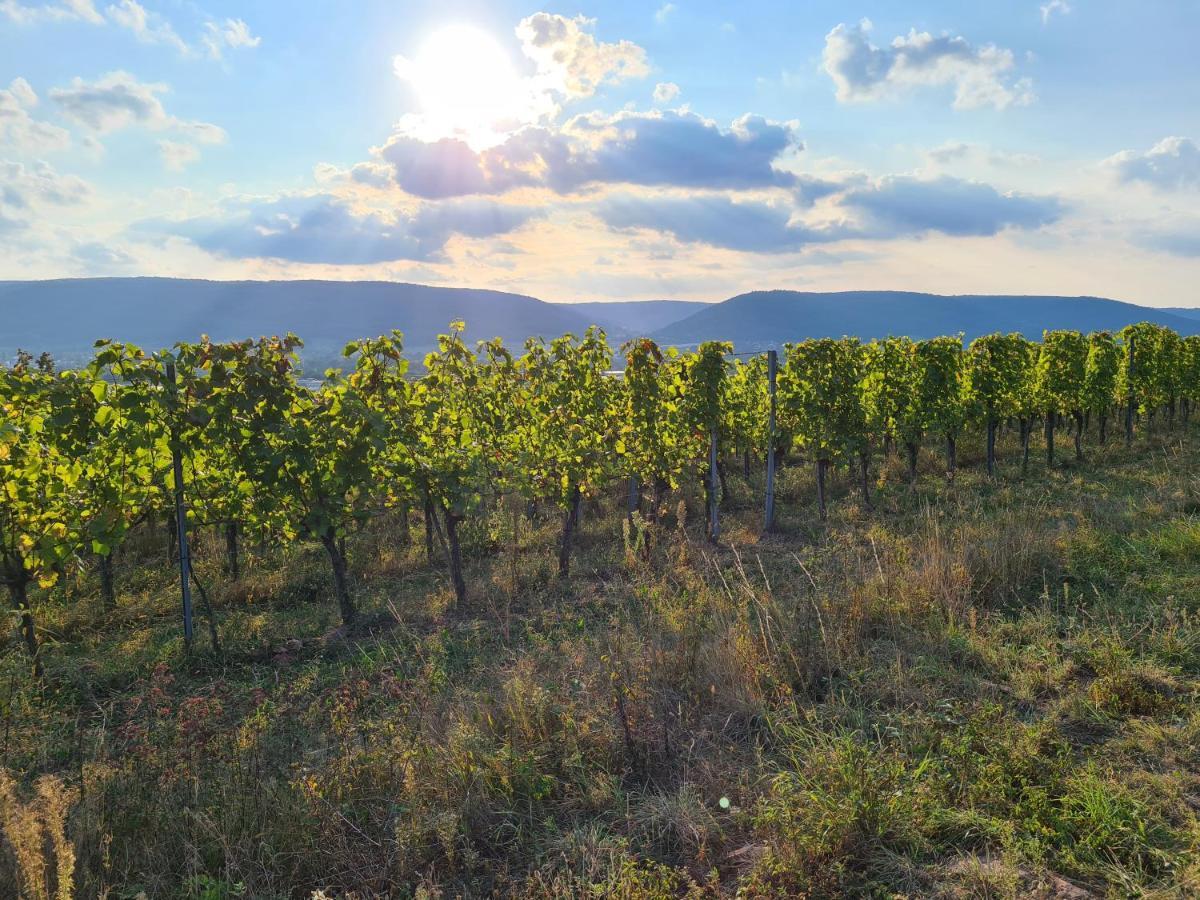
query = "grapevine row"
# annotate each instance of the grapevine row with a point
(87, 455)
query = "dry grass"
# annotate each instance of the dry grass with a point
(974, 689)
(34, 830)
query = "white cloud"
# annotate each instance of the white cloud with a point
(664, 12)
(204, 132)
(665, 91)
(953, 152)
(714, 219)
(63, 11)
(1172, 163)
(1062, 7)
(22, 185)
(889, 208)
(898, 205)
(22, 93)
(371, 174)
(233, 34)
(375, 175)
(324, 229)
(92, 257)
(177, 155)
(118, 100)
(591, 149)
(82, 9)
(571, 61)
(980, 76)
(19, 131)
(23, 189)
(147, 27)
(150, 28)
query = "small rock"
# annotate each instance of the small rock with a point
(1066, 890)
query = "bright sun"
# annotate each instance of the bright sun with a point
(466, 86)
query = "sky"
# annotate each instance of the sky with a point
(612, 151)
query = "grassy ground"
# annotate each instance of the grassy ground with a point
(975, 689)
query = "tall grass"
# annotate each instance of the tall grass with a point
(975, 689)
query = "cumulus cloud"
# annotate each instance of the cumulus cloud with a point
(321, 228)
(24, 189)
(717, 220)
(670, 148)
(678, 148)
(371, 174)
(902, 205)
(1172, 163)
(21, 94)
(571, 61)
(665, 91)
(19, 131)
(436, 223)
(118, 100)
(981, 76)
(885, 209)
(445, 168)
(93, 256)
(808, 189)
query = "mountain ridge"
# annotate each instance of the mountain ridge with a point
(762, 319)
(65, 316)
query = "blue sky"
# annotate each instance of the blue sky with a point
(606, 150)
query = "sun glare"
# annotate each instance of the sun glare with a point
(466, 86)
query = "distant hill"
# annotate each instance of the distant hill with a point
(636, 318)
(66, 316)
(764, 319)
(1188, 312)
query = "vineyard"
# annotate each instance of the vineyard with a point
(796, 624)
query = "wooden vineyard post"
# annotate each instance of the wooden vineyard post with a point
(1129, 409)
(991, 445)
(714, 520)
(185, 560)
(772, 368)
